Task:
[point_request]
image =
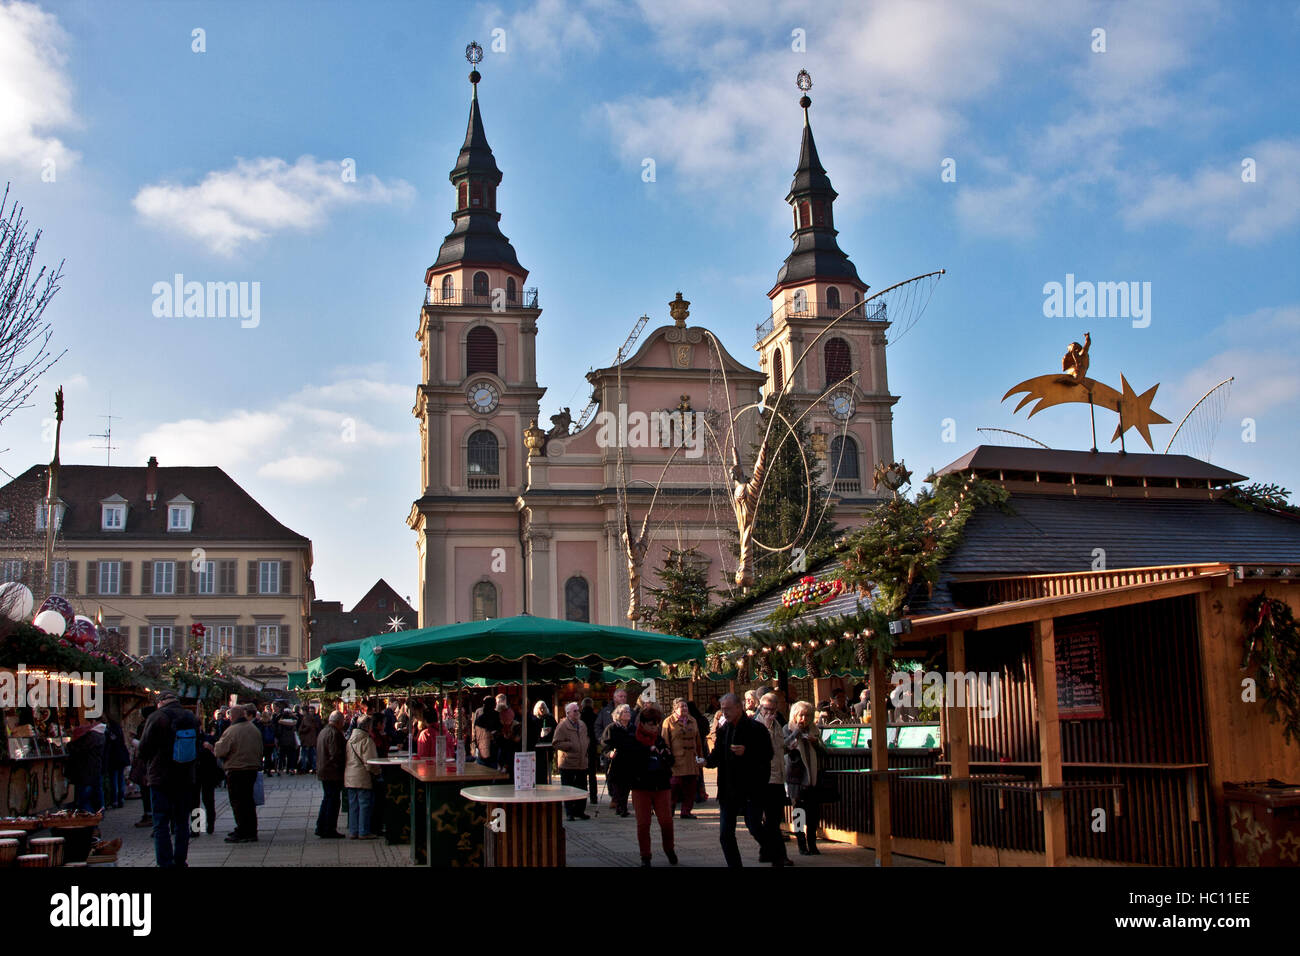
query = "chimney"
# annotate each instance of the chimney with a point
(151, 482)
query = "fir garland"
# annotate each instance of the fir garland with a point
(1273, 647)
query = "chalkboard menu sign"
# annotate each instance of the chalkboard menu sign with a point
(838, 738)
(1080, 675)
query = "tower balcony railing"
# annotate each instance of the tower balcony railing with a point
(493, 298)
(820, 309)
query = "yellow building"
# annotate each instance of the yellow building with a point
(155, 550)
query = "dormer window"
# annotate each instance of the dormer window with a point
(113, 514)
(42, 511)
(180, 514)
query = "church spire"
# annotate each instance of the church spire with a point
(476, 238)
(816, 253)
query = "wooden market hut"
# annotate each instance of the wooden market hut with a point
(1122, 711)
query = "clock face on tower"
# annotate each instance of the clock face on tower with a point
(483, 397)
(841, 405)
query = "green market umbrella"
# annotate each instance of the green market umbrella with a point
(336, 662)
(504, 647)
(297, 680)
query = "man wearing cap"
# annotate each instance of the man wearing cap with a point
(240, 750)
(173, 785)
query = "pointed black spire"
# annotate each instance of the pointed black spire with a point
(476, 237)
(816, 253)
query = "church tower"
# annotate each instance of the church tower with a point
(843, 374)
(478, 346)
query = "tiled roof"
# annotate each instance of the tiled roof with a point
(754, 617)
(393, 602)
(1058, 533)
(984, 458)
(222, 509)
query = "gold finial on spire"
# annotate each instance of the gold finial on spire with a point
(680, 310)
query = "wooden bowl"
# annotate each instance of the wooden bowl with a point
(50, 846)
(36, 861)
(9, 852)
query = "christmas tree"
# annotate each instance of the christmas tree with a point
(682, 603)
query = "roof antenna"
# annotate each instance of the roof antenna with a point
(107, 434)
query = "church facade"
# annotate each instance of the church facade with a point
(516, 519)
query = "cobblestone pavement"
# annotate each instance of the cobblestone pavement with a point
(287, 821)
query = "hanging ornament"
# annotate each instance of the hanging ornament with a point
(16, 601)
(61, 604)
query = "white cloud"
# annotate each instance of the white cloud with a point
(35, 92)
(238, 437)
(301, 469)
(1216, 198)
(1002, 211)
(258, 197)
(311, 435)
(548, 29)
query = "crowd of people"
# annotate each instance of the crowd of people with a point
(652, 765)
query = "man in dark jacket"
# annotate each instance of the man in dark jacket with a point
(116, 758)
(85, 767)
(286, 739)
(309, 729)
(331, 760)
(169, 746)
(743, 757)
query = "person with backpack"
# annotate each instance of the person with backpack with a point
(169, 746)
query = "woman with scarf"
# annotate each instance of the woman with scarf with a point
(805, 756)
(647, 763)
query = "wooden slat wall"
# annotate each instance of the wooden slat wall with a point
(1155, 714)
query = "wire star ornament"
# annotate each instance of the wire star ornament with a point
(396, 624)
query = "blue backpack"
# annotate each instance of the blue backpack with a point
(185, 745)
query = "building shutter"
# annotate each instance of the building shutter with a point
(480, 350)
(72, 577)
(284, 640)
(286, 570)
(252, 576)
(182, 577)
(228, 572)
(146, 577)
(92, 577)
(250, 639)
(34, 576)
(142, 641)
(126, 578)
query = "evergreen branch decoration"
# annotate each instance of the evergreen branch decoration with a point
(1273, 648)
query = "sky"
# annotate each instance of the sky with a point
(1012, 144)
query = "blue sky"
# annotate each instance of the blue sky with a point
(1122, 165)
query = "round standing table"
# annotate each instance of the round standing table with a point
(528, 830)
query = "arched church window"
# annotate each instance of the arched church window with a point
(833, 300)
(512, 290)
(844, 461)
(800, 304)
(481, 350)
(476, 196)
(462, 196)
(577, 600)
(480, 284)
(838, 361)
(483, 460)
(778, 370)
(857, 299)
(485, 601)
(805, 220)
(446, 287)
(819, 213)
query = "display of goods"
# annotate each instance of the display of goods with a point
(70, 818)
(811, 591)
(8, 852)
(20, 823)
(34, 861)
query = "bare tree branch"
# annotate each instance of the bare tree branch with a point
(24, 334)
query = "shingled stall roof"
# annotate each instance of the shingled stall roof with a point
(996, 462)
(754, 617)
(1049, 534)
(223, 511)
